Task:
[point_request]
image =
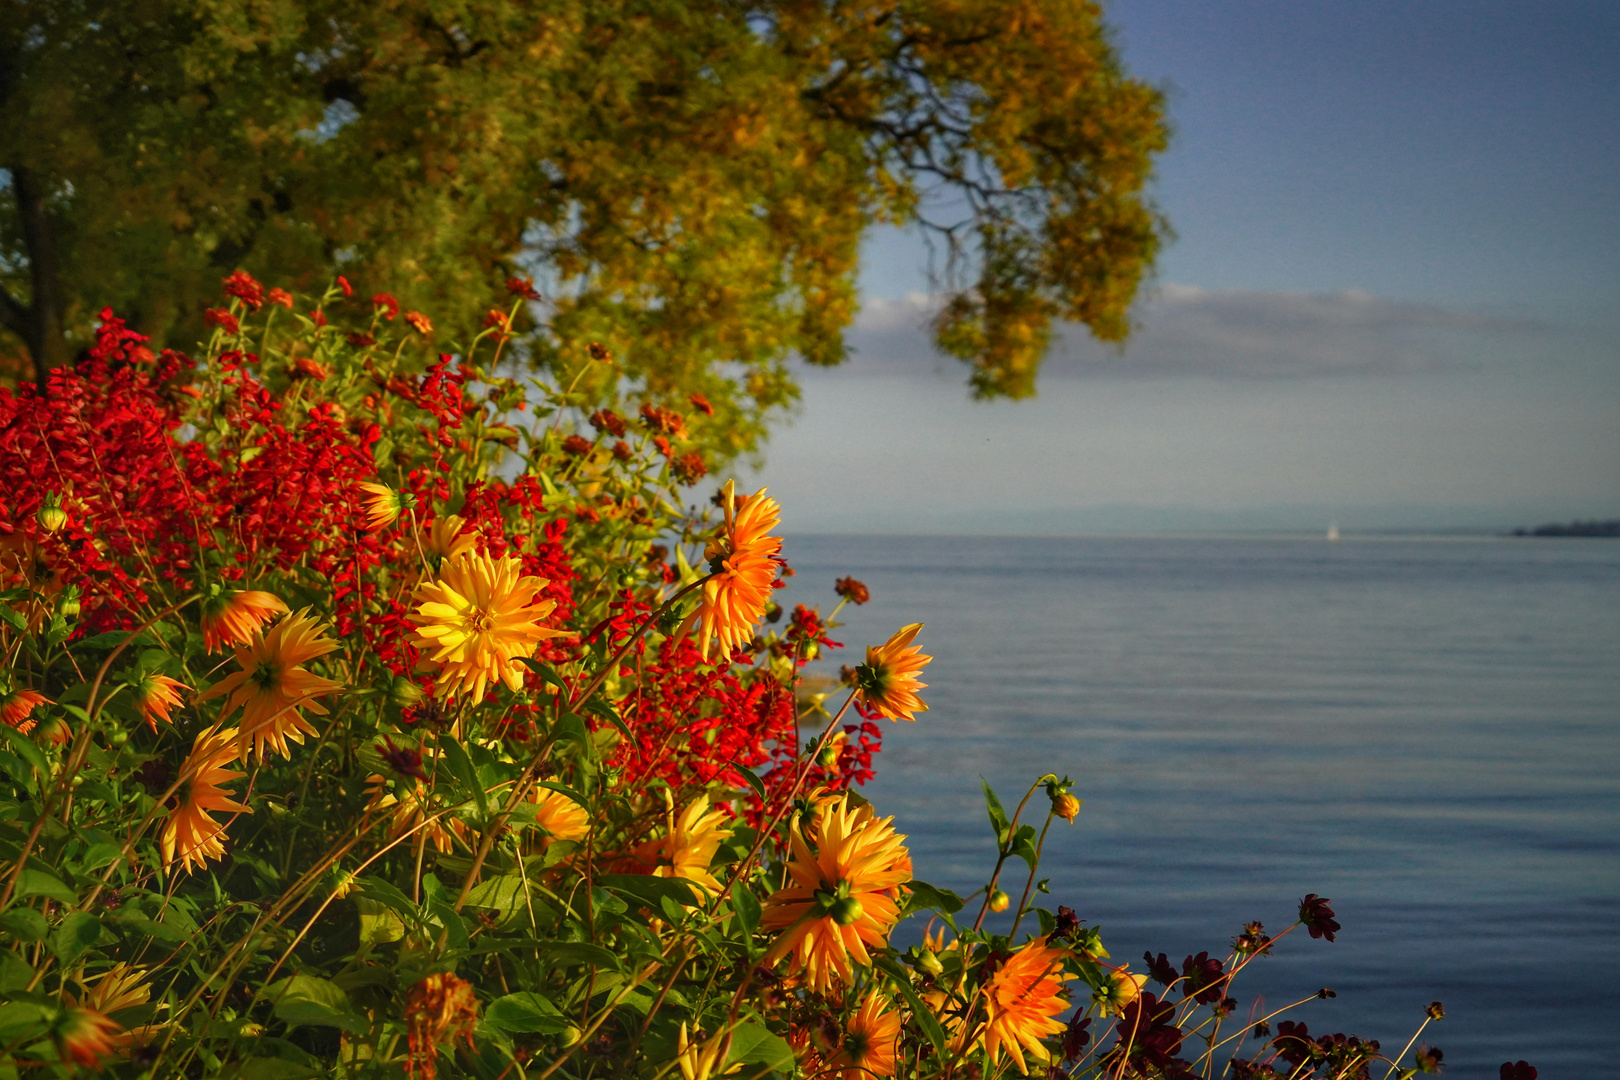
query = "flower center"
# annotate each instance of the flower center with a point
(267, 676)
(479, 621)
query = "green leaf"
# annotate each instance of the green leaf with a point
(79, 931)
(746, 905)
(580, 952)
(752, 781)
(926, 897)
(24, 924)
(33, 882)
(545, 671)
(998, 816)
(455, 756)
(272, 1068)
(14, 973)
(21, 1020)
(525, 1012)
(505, 893)
(600, 708)
(921, 1013)
(648, 891)
(1023, 846)
(304, 999)
(25, 748)
(753, 1044)
(384, 893)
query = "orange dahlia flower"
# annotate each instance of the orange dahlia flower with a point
(477, 619)
(271, 685)
(437, 1008)
(383, 505)
(871, 1041)
(17, 706)
(888, 682)
(743, 562)
(232, 618)
(190, 835)
(157, 695)
(408, 810)
(844, 895)
(1022, 1000)
(86, 1037)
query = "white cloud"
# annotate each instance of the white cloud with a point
(1189, 330)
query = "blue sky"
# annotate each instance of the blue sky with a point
(1394, 299)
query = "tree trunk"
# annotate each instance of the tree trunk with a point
(44, 330)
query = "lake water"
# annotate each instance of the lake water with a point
(1425, 731)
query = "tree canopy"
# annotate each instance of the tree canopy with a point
(688, 180)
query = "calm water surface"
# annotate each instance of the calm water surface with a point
(1427, 732)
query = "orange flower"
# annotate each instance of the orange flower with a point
(190, 835)
(1022, 1000)
(743, 563)
(282, 297)
(157, 696)
(477, 620)
(419, 322)
(690, 846)
(383, 505)
(438, 1007)
(86, 1037)
(870, 1042)
(16, 706)
(843, 897)
(231, 618)
(888, 682)
(410, 809)
(271, 686)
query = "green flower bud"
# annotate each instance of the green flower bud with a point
(846, 911)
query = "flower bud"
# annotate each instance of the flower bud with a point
(846, 910)
(999, 900)
(404, 692)
(51, 516)
(70, 603)
(929, 964)
(1065, 806)
(1436, 1011)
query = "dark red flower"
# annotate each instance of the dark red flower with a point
(1293, 1043)
(282, 297)
(1076, 1037)
(343, 283)
(689, 468)
(360, 341)
(1161, 969)
(1317, 917)
(223, 319)
(854, 591)
(1205, 982)
(1253, 941)
(245, 289)
(1518, 1070)
(599, 352)
(664, 421)
(609, 421)
(522, 286)
(577, 445)
(621, 450)
(390, 306)
(701, 404)
(405, 760)
(1066, 923)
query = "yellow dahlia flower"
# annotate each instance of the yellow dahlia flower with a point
(689, 848)
(477, 619)
(271, 685)
(410, 809)
(191, 836)
(1118, 991)
(383, 505)
(743, 562)
(1022, 1000)
(561, 817)
(844, 895)
(888, 682)
(443, 537)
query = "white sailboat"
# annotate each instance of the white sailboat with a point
(1333, 530)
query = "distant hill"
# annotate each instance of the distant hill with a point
(1610, 529)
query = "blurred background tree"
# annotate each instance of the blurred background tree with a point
(688, 180)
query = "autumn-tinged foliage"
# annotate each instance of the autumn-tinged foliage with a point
(355, 722)
(688, 180)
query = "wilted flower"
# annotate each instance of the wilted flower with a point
(477, 619)
(190, 836)
(1317, 917)
(1436, 1011)
(854, 591)
(888, 682)
(1022, 1001)
(438, 1008)
(232, 618)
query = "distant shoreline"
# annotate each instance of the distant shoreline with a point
(1607, 530)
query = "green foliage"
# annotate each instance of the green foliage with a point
(689, 180)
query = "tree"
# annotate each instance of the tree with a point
(688, 180)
